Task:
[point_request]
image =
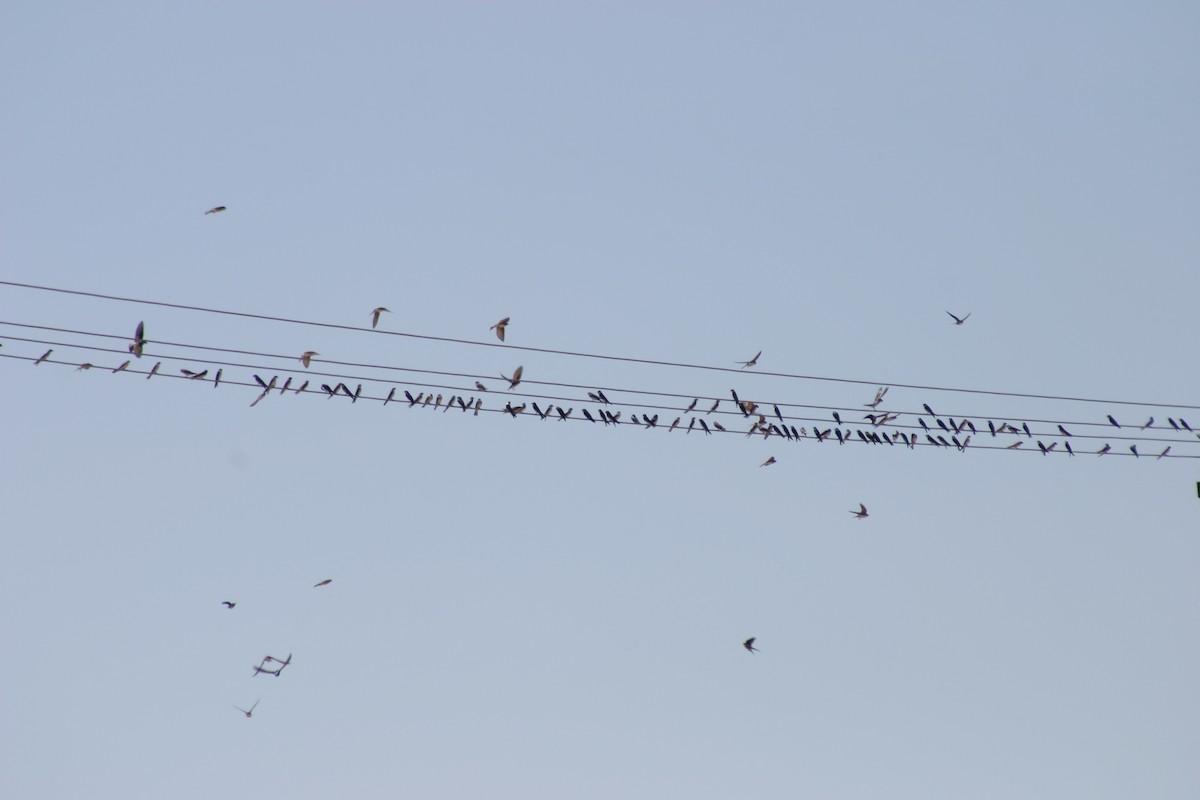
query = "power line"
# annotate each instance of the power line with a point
(575, 354)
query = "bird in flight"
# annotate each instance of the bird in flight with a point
(139, 339)
(749, 645)
(250, 713)
(515, 379)
(258, 670)
(861, 513)
(325, 582)
(960, 320)
(306, 357)
(500, 327)
(751, 362)
(283, 662)
(375, 312)
(768, 462)
(215, 210)
(228, 603)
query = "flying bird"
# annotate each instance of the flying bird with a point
(139, 339)
(325, 582)
(714, 407)
(960, 320)
(228, 603)
(215, 210)
(306, 357)
(861, 513)
(515, 379)
(258, 670)
(249, 713)
(281, 661)
(375, 312)
(500, 327)
(751, 362)
(749, 644)
(768, 462)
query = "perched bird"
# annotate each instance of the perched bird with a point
(768, 462)
(196, 376)
(718, 426)
(217, 379)
(861, 513)
(703, 426)
(515, 379)
(480, 386)
(139, 340)
(777, 412)
(714, 407)
(749, 644)
(588, 416)
(960, 320)
(228, 603)
(1113, 421)
(1149, 423)
(251, 711)
(603, 399)
(153, 370)
(375, 312)
(1164, 452)
(45, 355)
(1133, 449)
(1015, 445)
(1063, 431)
(689, 409)
(306, 357)
(751, 362)
(499, 328)
(928, 410)
(391, 394)
(282, 389)
(215, 210)
(1172, 423)
(1104, 449)
(674, 424)
(83, 366)
(325, 582)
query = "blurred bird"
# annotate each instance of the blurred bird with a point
(195, 376)
(749, 644)
(480, 386)
(1113, 421)
(718, 426)
(303, 386)
(306, 357)
(249, 713)
(768, 462)
(1015, 445)
(325, 582)
(391, 394)
(1104, 449)
(258, 670)
(375, 312)
(217, 379)
(1149, 423)
(515, 379)
(45, 355)
(1164, 452)
(674, 424)
(603, 399)
(228, 603)
(83, 366)
(751, 362)
(139, 340)
(861, 513)
(215, 210)
(153, 370)
(714, 407)
(500, 327)
(689, 409)
(928, 410)
(1133, 449)
(960, 320)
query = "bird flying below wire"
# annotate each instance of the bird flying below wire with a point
(749, 644)
(960, 320)
(325, 582)
(768, 462)
(250, 712)
(515, 379)
(214, 210)
(375, 312)
(228, 603)
(500, 327)
(861, 513)
(306, 357)
(751, 362)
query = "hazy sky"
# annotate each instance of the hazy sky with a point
(541, 609)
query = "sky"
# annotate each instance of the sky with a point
(527, 608)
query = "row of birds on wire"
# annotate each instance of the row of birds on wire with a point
(878, 427)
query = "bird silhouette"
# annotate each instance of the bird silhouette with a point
(139, 340)
(375, 312)
(500, 327)
(325, 582)
(1113, 421)
(714, 407)
(1063, 431)
(306, 357)
(154, 370)
(960, 320)
(1104, 449)
(690, 408)
(515, 379)
(215, 210)
(1149, 423)
(83, 366)
(249, 713)
(861, 513)
(749, 644)
(751, 362)
(768, 462)
(228, 603)
(479, 386)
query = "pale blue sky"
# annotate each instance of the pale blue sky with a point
(528, 609)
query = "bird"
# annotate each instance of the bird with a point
(768, 462)
(751, 362)
(861, 513)
(960, 320)
(480, 386)
(281, 661)
(718, 426)
(588, 415)
(515, 379)
(139, 339)
(217, 379)
(153, 371)
(249, 713)
(325, 582)
(258, 670)
(45, 355)
(777, 412)
(375, 312)
(1164, 452)
(228, 603)
(1133, 449)
(749, 644)
(500, 327)
(306, 357)
(714, 407)
(674, 424)
(214, 210)
(603, 399)
(1104, 449)
(689, 409)
(391, 394)
(196, 376)
(1063, 431)
(1149, 423)
(1113, 421)
(83, 366)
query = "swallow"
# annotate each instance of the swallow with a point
(718, 426)
(749, 644)
(217, 379)
(736, 401)
(587, 415)
(615, 418)
(153, 370)
(437, 403)
(651, 422)
(83, 366)
(1163, 453)
(595, 398)
(258, 670)
(306, 357)
(249, 713)
(690, 408)
(861, 513)
(375, 312)
(139, 339)
(714, 407)
(603, 399)
(428, 399)
(1025, 427)
(837, 418)
(499, 328)
(196, 376)
(768, 462)
(751, 362)
(462, 404)
(541, 414)
(228, 603)
(960, 320)
(124, 366)
(562, 414)
(838, 433)
(820, 436)
(325, 388)
(1115, 424)
(45, 355)
(214, 210)
(479, 386)
(691, 425)
(923, 425)
(1172, 423)
(777, 412)
(992, 428)
(391, 395)
(478, 405)
(1186, 427)
(674, 424)
(704, 426)
(928, 410)
(357, 393)
(1133, 449)
(325, 582)
(1063, 431)
(449, 403)
(515, 379)
(1042, 447)
(1015, 445)
(1149, 423)
(1104, 449)
(282, 389)
(932, 440)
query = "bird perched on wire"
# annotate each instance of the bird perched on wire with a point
(500, 327)
(375, 315)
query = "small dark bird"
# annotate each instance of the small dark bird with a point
(736, 402)
(45, 355)
(1015, 445)
(751, 362)
(153, 370)
(217, 378)
(1186, 427)
(928, 410)
(718, 426)
(1113, 421)
(603, 399)
(1067, 446)
(674, 424)
(768, 462)
(1164, 452)
(249, 713)
(587, 415)
(562, 415)
(749, 644)
(837, 418)
(960, 320)
(215, 210)
(499, 328)
(1104, 449)
(704, 426)
(691, 425)
(861, 513)
(1063, 431)
(228, 603)
(1169, 420)
(195, 376)
(1025, 427)
(325, 582)
(1149, 423)
(391, 394)
(1133, 449)
(714, 407)
(777, 412)
(689, 409)
(375, 315)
